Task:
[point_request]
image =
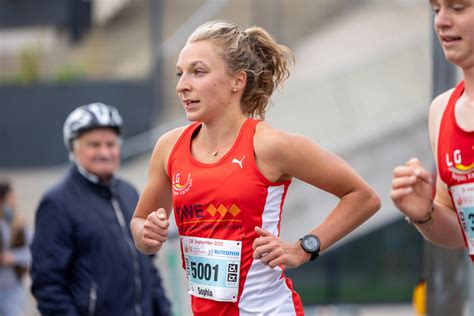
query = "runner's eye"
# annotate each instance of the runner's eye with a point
(458, 7)
(198, 72)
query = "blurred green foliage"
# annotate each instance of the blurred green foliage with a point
(29, 66)
(29, 72)
(69, 73)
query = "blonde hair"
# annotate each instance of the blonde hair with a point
(254, 51)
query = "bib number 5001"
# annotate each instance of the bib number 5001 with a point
(204, 271)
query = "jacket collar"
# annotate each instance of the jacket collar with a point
(81, 175)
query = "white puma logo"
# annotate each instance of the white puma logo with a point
(239, 162)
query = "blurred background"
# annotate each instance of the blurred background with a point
(361, 87)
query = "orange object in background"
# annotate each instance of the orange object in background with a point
(419, 298)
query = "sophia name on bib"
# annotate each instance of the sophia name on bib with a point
(205, 292)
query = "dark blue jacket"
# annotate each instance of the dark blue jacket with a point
(84, 261)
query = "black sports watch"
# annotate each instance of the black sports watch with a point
(311, 244)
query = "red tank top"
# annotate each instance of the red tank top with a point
(216, 207)
(456, 166)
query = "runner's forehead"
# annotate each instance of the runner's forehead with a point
(450, 2)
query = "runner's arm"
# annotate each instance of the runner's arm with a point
(154, 206)
(290, 155)
(445, 230)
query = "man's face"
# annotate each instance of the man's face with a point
(98, 151)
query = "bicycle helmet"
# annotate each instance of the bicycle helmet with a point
(90, 116)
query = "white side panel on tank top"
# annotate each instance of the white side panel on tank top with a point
(264, 288)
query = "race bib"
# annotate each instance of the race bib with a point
(212, 267)
(463, 196)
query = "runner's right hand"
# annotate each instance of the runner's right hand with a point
(412, 190)
(155, 229)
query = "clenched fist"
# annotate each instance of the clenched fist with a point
(155, 229)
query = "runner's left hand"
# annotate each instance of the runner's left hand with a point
(272, 251)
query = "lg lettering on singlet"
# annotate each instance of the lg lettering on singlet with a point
(456, 156)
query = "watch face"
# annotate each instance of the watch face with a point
(311, 243)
